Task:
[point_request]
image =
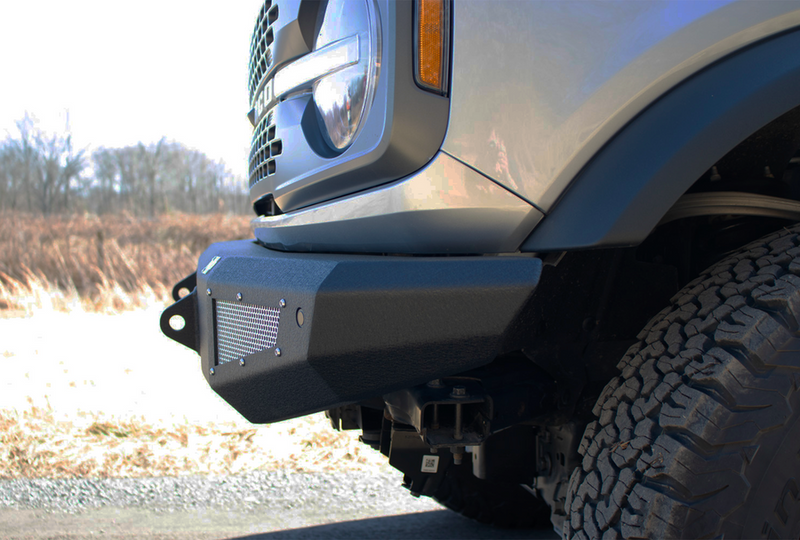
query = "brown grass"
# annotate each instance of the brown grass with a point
(104, 264)
(35, 444)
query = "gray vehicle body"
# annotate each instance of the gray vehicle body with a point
(466, 276)
(539, 92)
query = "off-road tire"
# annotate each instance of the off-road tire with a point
(504, 505)
(699, 437)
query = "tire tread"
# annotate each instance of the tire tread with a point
(707, 380)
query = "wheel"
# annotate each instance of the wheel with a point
(508, 506)
(699, 437)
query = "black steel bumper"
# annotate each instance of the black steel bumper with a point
(281, 335)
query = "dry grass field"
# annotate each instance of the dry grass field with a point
(79, 304)
(106, 264)
(39, 443)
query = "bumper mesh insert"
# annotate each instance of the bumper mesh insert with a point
(244, 329)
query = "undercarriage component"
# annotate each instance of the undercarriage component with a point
(423, 467)
(286, 334)
(556, 457)
(465, 411)
(446, 415)
(503, 504)
(732, 203)
(498, 497)
(506, 456)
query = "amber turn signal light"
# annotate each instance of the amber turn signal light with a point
(432, 28)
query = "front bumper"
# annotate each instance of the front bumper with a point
(282, 335)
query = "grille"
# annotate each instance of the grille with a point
(261, 45)
(244, 329)
(264, 149)
(265, 146)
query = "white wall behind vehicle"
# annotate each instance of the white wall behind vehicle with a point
(539, 87)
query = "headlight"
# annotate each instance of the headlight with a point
(343, 98)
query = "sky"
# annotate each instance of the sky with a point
(125, 72)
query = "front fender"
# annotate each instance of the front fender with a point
(622, 194)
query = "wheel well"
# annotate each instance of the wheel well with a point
(591, 304)
(753, 190)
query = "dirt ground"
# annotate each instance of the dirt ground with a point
(232, 525)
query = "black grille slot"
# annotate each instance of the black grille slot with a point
(260, 45)
(263, 150)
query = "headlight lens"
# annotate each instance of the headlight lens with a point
(343, 98)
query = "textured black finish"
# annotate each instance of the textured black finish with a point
(189, 283)
(620, 196)
(372, 324)
(186, 308)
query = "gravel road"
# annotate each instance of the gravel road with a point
(255, 505)
(349, 493)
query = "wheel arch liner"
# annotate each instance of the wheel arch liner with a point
(622, 194)
(370, 324)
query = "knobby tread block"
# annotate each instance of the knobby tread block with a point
(711, 376)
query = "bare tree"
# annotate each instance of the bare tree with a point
(149, 161)
(39, 169)
(44, 173)
(59, 165)
(107, 181)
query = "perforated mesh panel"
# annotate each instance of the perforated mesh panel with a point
(244, 329)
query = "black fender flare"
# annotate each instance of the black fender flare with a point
(623, 192)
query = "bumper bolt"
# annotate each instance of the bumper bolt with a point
(282, 302)
(211, 371)
(239, 296)
(208, 292)
(277, 352)
(241, 362)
